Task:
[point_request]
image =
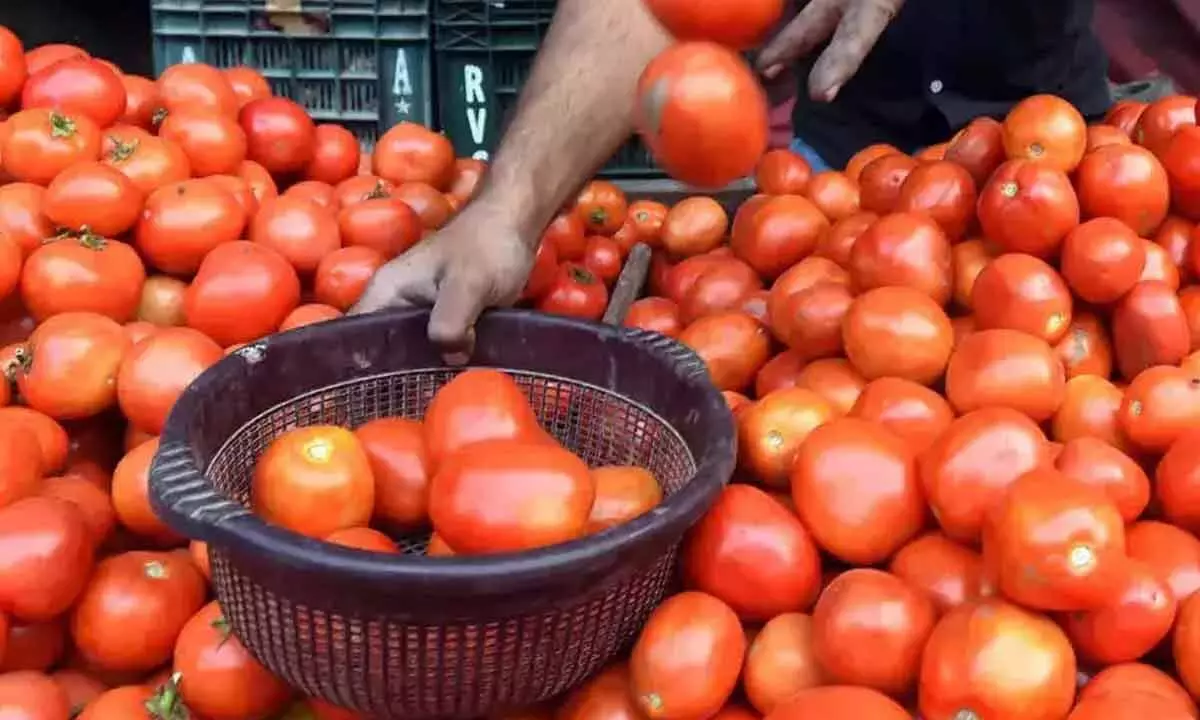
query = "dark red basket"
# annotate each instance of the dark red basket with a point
(416, 637)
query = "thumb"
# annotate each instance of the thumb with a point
(461, 298)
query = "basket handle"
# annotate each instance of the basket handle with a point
(629, 284)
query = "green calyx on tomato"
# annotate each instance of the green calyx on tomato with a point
(122, 150)
(61, 126)
(165, 703)
(379, 191)
(582, 275)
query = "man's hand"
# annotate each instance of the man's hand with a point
(479, 260)
(852, 28)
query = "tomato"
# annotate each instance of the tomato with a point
(70, 367)
(771, 430)
(477, 405)
(31, 695)
(835, 380)
(780, 662)
(304, 233)
(1090, 409)
(15, 70)
(864, 157)
(782, 172)
(219, 678)
(949, 573)
(1045, 129)
(182, 223)
(161, 303)
(22, 463)
(1131, 624)
(411, 153)
(260, 181)
(1149, 328)
(10, 265)
(88, 274)
(961, 672)
(1102, 260)
(835, 194)
(1160, 404)
(978, 148)
(753, 554)
(601, 208)
(576, 292)
(837, 244)
(280, 135)
(1020, 292)
(150, 163)
(132, 700)
(241, 292)
(603, 258)
(903, 249)
(646, 217)
(801, 276)
(1174, 482)
(697, 95)
(839, 702)
(196, 86)
(721, 286)
(694, 226)
(732, 345)
(945, 191)
(671, 682)
(740, 28)
(912, 412)
(1161, 119)
(855, 644)
(93, 196)
(77, 86)
(92, 501)
(623, 493)
(1187, 630)
(1099, 136)
(81, 688)
(783, 231)
(131, 496)
(343, 274)
(46, 55)
(156, 372)
(1028, 207)
(1092, 461)
(603, 697)
(1124, 115)
(1005, 368)
(430, 205)
(655, 314)
(52, 439)
(401, 468)
(1128, 706)
(1137, 679)
(881, 180)
(1181, 159)
(212, 141)
(21, 216)
(897, 332)
(1126, 183)
(247, 84)
(316, 192)
(33, 646)
(364, 538)
(42, 143)
(335, 154)
(121, 134)
(45, 554)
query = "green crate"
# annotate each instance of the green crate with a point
(365, 64)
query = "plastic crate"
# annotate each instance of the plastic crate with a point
(365, 64)
(483, 51)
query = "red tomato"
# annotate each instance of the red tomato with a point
(22, 463)
(77, 86)
(1160, 120)
(247, 84)
(81, 689)
(881, 180)
(15, 69)
(92, 196)
(1028, 207)
(1149, 328)
(1086, 349)
(1046, 129)
(912, 412)
(156, 372)
(1137, 679)
(42, 143)
(383, 224)
(335, 155)
(839, 702)
(1160, 404)
(604, 696)
(241, 292)
(150, 163)
(161, 303)
(772, 429)
(212, 141)
(673, 682)
(196, 86)
(1187, 631)
(1020, 292)
(280, 135)
(576, 292)
(34, 646)
(1005, 368)
(694, 226)
(260, 181)
(1181, 158)
(182, 223)
(21, 216)
(903, 249)
(835, 194)
(741, 27)
(623, 493)
(70, 369)
(131, 496)
(602, 257)
(656, 314)
(343, 274)
(698, 94)
(602, 208)
(1102, 260)
(301, 231)
(753, 554)
(401, 467)
(1124, 115)
(646, 217)
(782, 232)
(782, 172)
(1175, 481)
(979, 148)
(1124, 182)
(46, 554)
(426, 201)
(950, 573)
(733, 345)
(838, 243)
(364, 538)
(897, 332)
(91, 500)
(1090, 408)
(1092, 461)
(945, 191)
(780, 662)
(720, 286)
(411, 153)
(1131, 624)
(88, 274)
(28, 695)
(478, 405)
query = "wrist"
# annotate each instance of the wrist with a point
(515, 208)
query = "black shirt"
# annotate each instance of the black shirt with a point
(941, 63)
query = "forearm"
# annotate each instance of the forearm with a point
(576, 108)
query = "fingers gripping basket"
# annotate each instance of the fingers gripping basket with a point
(415, 637)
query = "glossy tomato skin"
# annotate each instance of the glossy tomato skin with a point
(782, 172)
(42, 143)
(28, 695)
(897, 332)
(21, 215)
(1138, 679)
(701, 95)
(131, 496)
(150, 163)
(235, 276)
(247, 84)
(71, 365)
(623, 493)
(477, 509)
(835, 194)
(1132, 624)
(1149, 328)
(183, 222)
(856, 488)
(1090, 409)
(720, 287)
(196, 86)
(838, 243)
(944, 190)
(213, 142)
(1093, 461)
(772, 429)
(669, 682)
(1005, 368)
(95, 197)
(335, 154)
(1173, 553)
(12, 59)
(298, 229)
(959, 671)
(951, 574)
(21, 463)
(1182, 161)
(401, 468)
(978, 148)
(1161, 404)
(576, 292)
(1175, 481)
(154, 373)
(881, 180)
(783, 231)
(1126, 183)
(280, 136)
(88, 274)
(478, 404)
(733, 346)
(1021, 292)
(911, 411)
(839, 702)
(903, 249)
(656, 314)
(411, 153)
(1046, 129)
(1028, 207)
(780, 662)
(740, 28)
(77, 86)
(46, 551)
(147, 594)
(694, 226)
(604, 697)
(754, 554)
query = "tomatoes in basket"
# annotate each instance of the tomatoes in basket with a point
(241, 292)
(401, 467)
(623, 493)
(498, 496)
(478, 404)
(702, 114)
(280, 135)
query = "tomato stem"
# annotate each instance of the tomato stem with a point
(221, 625)
(61, 126)
(379, 191)
(165, 703)
(91, 240)
(157, 118)
(581, 275)
(122, 150)
(155, 570)
(22, 361)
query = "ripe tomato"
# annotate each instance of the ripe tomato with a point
(855, 644)
(1046, 129)
(772, 429)
(477, 405)
(241, 292)
(131, 496)
(733, 345)
(400, 465)
(29, 695)
(1181, 159)
(81, 689)
(602, 208)
(603, 258)
(780, 662)
(1149, 328)
(951, 574)
(623, 493)
(1005, 368)
(912, 412)
(968, 259)
(881, 180)
(752, 553)
(93, 196)
(427, 202)
(835, 380)
(1159, 121)
(835, 194)
(1094, 462)
(219, 677)
(364, 538)
(161, 303)
(299, 230)
(903, 249)
(978, 148)
(576, 292)
(132, 700)
(149, 594)
(88, 274)
(1137, 679)
(21, 464)
(694, 226)
(1102, 260)
(783, 231)
(150, 163)
(240, 190)
(411, 153)
(15, 70)
(1020, 292)
(782, 172)
(1174, 482)
(1125, 182)
(335, 154)
(260, 181)
(52, 439)
(70, 367)
(46, 554)
(801, 276)
(1160, 404)
(247, 84)
(741, 27)
(316, 192)
(604, 696)
(1172, 552)
(646, 218)
(92, 501)
(383, 224)
(1124, 115)
(656, 314)
(721, 286)
(961, 672)
(1086, 349)
(21, 216)
(42, 143)
(280, 135)
(1090, 408)
(864, 157)
(472, 518)
(700, 95)
(156, 372)
(1099, 135)
(34, 646)
(1186, 631)
(196, 86)
(838, 243)
(1161, 268)
(212, 141)
(343, 274)
(182, 223)
(839, 702)
(43, 56)
(671, 682)
(945, 191)
(1028, 207)
(897, 332)
(1131, 624)
(77, 86)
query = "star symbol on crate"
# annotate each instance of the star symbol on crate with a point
(403, 107)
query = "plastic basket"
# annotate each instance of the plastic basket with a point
(483, 52)
(362, 63)
(416, 637)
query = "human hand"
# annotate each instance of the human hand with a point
(479, 260)
(852, 28)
